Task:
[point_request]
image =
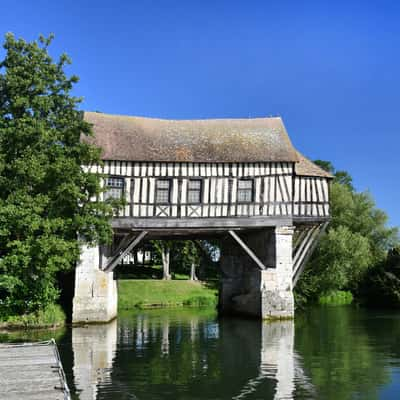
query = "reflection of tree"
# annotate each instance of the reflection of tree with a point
(340, 353)
(204, 356)
(190, 355)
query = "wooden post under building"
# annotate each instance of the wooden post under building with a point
(240, 179)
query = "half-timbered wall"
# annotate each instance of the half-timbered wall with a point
(275, 189)
(311, 197)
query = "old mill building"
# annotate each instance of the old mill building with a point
(237, 179)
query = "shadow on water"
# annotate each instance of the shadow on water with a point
(327, 353)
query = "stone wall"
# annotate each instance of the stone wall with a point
(95, 298)
(247, 290)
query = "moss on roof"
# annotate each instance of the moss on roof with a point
(306, 167)
(212, 140)
(126, 138)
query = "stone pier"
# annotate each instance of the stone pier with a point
(246, 288)
(95, 298)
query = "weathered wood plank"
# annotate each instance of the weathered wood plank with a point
(115, 260)
(32, 371)
(248, 250)
(211, 223)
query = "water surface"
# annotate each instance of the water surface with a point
(327, 353)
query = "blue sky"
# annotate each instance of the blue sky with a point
(331, 69)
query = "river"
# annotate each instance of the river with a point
(326, 353)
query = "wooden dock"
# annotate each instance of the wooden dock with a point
(32, 371)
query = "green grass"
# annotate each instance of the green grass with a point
(52, 316)
(336, 298)
(159, 293)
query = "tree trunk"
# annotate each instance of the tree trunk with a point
(134, 254)
(193, 276)
(165, 261)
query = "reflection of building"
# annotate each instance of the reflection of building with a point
(94, 349)
(228, 358)
(277, 354)
(278, 361)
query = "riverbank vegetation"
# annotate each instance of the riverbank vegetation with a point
(336, 298)
(164, 293)
(358, 254)
(52, 316)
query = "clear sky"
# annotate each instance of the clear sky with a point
(331, 69)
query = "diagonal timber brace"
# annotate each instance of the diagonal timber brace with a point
(248, 250)
(305, 249)
(128, 243)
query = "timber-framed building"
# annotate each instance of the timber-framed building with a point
(241, 179)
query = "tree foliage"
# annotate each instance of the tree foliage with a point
(45, 193)
(381, 287)
(357, 240)
(183, 254)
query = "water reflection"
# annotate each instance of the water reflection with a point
(279, 362)
(330, 353)
(184, 355)
(94, 348)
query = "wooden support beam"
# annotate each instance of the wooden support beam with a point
(300, 248)
(299, 267)
(248, 250)
(124, 242)
(300, 234)
(114, 261)
(300, 256)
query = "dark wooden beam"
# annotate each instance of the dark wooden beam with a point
(300, 248)
(115, 260)
(248, 250)
(221, 223)
(299, 267)
(310, 220)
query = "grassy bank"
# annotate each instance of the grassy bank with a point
(336, 298)
(53, 316)
(159, 293)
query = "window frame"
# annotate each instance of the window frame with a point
(200, 190)
(107, 186)
(164, 190)
(251, 191)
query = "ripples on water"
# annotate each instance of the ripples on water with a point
(328, 353)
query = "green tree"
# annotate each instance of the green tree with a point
(164, 248)
(357, 240)
(381, 287)
(182, 256)
(47, 199)
(342, 259)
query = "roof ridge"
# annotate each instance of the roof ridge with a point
(180, 120)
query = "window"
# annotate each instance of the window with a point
(245, 191)
(114, 188)
(163, 191)
(194, 191)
